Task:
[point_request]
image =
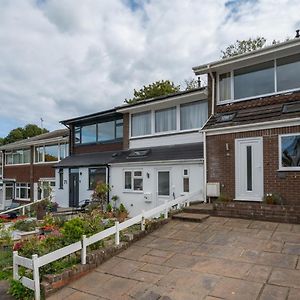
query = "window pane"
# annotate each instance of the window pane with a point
(61, 178)
(64, 150)
(128, 180)
(165, 120)
(225, 86)
(138, 184)
(8, 157)
(290, 151)
(186, 185)
(254, 80)
(193, 115)
(9, 193)
(288, 73)
(164, 183)
(119, 129)
(77, 135)
(18, 157)
(96, 175)
(137, 173)
(141, 124)
(106, 131)
(88, 134)
(249, 168)
(26, 156)
(51, 153)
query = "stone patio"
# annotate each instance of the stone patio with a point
(220, 258)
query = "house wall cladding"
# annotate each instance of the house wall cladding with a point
(221, 164)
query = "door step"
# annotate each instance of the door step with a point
(190, 217)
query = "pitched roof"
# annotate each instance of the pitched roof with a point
(59, 133)
(253, 115)
(162, 153)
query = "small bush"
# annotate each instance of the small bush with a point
(25, 225)
(273, 198)
(223, 198)
(19, 291)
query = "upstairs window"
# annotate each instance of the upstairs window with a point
(141, 124)
(193, 115)
(254, 80)
(88, 134)
(288, 72)
(50, 153)
(225, 86)
(15, 157)
(165, 120)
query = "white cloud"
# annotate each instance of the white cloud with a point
(64, 58)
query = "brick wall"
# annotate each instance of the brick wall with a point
(221, 164)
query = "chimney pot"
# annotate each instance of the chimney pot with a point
(297, 34)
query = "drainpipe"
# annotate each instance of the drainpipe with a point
(204, 167)
(212, 91)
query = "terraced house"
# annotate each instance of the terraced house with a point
(148, 152)
(252, 139)
(27, 166)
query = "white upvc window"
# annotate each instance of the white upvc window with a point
(186, 180)
(17, 157)
(50, 153)
(22, 191)
(184, 117)
(259, 80)
(133, 180)
(289, 152)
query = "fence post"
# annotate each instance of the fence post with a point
(117, 236)
(143, 222)
(36, 277)
(166, 209)
(15, 266)
(83, 250)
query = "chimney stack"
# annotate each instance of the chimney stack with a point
(297, 34)
(199, 82)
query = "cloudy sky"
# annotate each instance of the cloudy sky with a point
(64, 58)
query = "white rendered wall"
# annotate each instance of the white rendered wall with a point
(135, 202)
(164, 140)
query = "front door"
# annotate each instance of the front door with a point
(249, 169)
(74, 188)
(163, 186)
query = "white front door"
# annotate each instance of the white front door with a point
(249, 169)
(163, 186)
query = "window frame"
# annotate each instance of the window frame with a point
(11, 152)
(281, 168)
(232, 100)
(133, 177)
(178, 129)
(61, 179)
(18, 188)
(170, 185)
(89, 178)
(186, 176)
(59, 145)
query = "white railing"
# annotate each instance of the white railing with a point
(22, 207)
(36, 262)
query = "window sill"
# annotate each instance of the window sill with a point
(289, 170)
(132, 192)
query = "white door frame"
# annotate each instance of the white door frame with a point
(259, 182)
(160, 198)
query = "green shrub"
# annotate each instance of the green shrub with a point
(108, 207)
(25, 225)
(273, 198)
(73, 230)
(223, 198)
(19, 291)
(122, 208)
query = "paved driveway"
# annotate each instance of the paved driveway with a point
(220, 258)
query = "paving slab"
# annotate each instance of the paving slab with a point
(221, 258)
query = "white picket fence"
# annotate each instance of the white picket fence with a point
(36, 262)
(22, 208)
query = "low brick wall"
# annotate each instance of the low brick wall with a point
(53, 282)
(258, 211)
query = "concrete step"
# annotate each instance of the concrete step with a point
(190, 217)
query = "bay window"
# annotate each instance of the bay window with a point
(193, 115)
(165, 119)
(141, 124)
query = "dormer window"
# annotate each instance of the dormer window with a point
(260, 80)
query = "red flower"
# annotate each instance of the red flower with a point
(17, 246)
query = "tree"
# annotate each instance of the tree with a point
(158, 88)
(20, 133)
(243, 46)
(191, 84)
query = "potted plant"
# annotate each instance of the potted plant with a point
(41, 208)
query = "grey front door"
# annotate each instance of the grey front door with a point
(74, 188)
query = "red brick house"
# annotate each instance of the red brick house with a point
(252, 138)
(27, 166)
